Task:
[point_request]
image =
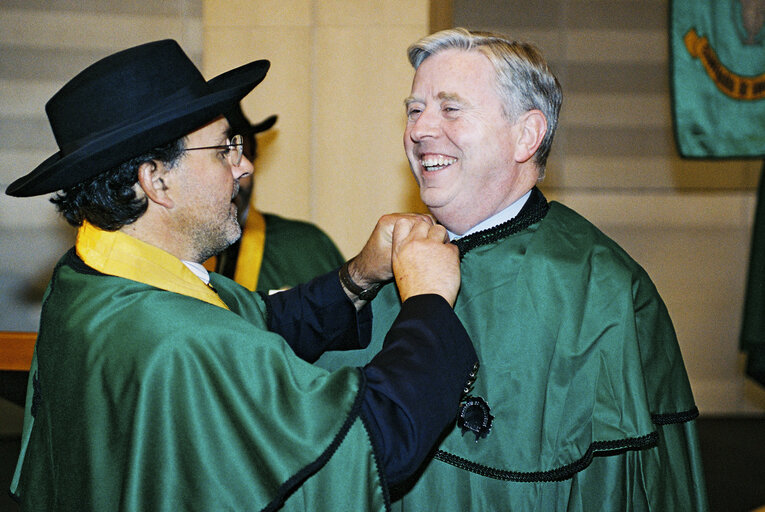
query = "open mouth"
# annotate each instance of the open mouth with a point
(436, 163)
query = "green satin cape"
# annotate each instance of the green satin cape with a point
(148, 400)
(583, 374)
(295, 252)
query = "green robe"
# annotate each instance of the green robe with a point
(580, 368)
(295, 252)
(163, 412)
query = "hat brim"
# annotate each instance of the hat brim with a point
(241, 125)
(107, 150)
(264, 125)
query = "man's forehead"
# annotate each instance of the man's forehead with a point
(453, 74)
(440, 96)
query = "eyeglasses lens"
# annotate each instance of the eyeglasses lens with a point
(235, 155)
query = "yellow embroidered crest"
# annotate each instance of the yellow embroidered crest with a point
(731, 84)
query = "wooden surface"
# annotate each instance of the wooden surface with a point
(16, 350)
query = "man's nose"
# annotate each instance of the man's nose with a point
(245, 168)
(426, 125)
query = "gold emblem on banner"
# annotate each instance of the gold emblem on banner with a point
(736, 86)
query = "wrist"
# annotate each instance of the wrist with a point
(364, 289)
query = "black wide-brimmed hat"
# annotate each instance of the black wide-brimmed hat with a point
(127, 104)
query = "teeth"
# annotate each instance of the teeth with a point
(433, 163)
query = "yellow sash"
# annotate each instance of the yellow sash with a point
(117, 254)
(251, 250)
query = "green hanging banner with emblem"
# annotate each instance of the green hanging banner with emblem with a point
(718, 77)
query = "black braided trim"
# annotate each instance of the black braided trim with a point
(532, 212)
(296, 480)
(675, 417)
(378, 464)
(553, 475)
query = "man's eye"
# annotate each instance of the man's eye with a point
(413, 113)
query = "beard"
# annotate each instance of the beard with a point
(214, 236)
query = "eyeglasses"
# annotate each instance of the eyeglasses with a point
(233, 149)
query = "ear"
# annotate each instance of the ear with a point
(151, 179)
(532, 127)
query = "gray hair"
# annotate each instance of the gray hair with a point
(524, 80)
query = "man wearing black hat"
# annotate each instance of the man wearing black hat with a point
(158, 386)
(274, 253)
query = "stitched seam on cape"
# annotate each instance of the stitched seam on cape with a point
(553, 475)
(296, 480)
(378, 465)
(532, 212)
(675, 417)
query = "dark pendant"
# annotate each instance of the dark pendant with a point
(475, 416)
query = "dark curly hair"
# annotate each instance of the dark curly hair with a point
(108, 200)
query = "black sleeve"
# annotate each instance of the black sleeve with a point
(318, 316)
(415, 382)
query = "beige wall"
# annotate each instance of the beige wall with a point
(338, 78)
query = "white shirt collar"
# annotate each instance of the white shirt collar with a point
(199, 270)
(495, 220)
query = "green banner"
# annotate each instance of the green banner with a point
(718, 77)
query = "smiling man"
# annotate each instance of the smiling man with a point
(157, 386)
(583, 402)
(459, 142)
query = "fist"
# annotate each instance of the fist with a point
(373, 263)
(423, 261)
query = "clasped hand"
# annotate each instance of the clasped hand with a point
(414, 250)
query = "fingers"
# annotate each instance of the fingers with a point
(402, 229)
(438, 233)
(422, 217)
(373, 264)
(407, 228)
(423, 261)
